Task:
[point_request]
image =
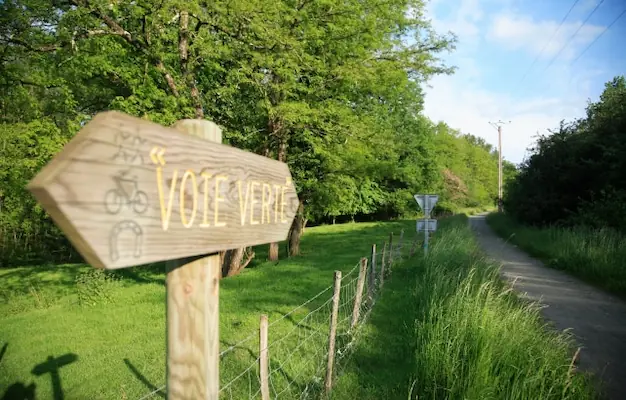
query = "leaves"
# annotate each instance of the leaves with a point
(332, 88)
(575, 175)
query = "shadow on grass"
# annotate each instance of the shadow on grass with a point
(292, 320)
(146, 274)
(382, 363)
(337, 247)
(3, 351)
(274, 366)
(234, 346)
(151, 386)
(51, 366)
(20, 391)
(276, 289)
(325, 248)
(56, 278)
(56, 281)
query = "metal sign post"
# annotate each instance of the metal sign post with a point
(426, 202)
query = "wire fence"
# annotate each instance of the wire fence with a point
(298, 341)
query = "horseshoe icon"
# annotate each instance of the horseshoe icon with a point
(117, 230)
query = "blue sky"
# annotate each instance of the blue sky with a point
(498, 40)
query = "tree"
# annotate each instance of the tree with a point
(331, 88)
(574, 175)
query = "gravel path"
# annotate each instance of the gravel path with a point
(597, 319)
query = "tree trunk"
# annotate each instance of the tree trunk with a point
(282, 153)
(183, 51)
(234, 261)
(295, 233)
(273, 252)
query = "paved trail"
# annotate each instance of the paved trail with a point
(597, 319)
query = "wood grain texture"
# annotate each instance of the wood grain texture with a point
(193, 330)
(358, 296)
(264, 358)
(372, 277)
(328, 382)
(193, 311)
(102, 190)
(382, 265)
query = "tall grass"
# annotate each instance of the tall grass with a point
(443, 328)
(595, 255)
(459, 333)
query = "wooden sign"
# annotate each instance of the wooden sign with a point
(127, 191)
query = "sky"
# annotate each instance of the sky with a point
(498, 41)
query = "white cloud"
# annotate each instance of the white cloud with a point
(467, 107)
(464, 103)
(463, 20)
(585, 6)
(522, 32)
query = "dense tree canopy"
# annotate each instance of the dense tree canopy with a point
(332, 88)
(576, 175)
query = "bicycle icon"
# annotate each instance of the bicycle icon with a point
(126, 193)
(131, 154)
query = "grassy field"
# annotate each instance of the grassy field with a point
(596, 256)
(446, 328)
(108, 329)
(441, 328)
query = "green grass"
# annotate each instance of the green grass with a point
(596, 256)
(445, 327)
(114, 323)
(441, 328)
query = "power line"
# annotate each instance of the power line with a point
(548, 42)
(599, 36)
(574, 35)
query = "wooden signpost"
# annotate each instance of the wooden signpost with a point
(126, 192)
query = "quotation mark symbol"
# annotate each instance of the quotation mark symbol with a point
(156, 155)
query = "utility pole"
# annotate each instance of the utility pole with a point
(498, 126)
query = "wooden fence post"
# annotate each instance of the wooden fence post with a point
(383, 259)
(264, 358)
(328, 383)
(193, 290)
(360, 284)
(390, 249)
(400, 243)
(372, 277)
(382, 266)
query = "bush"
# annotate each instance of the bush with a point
(94, 286)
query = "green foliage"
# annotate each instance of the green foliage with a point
(595, 255)
(332, 88)
(575, 176)
(93, 286)
(27, 232)
(470, 169)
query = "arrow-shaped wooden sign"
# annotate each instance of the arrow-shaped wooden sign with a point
(127, 191)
